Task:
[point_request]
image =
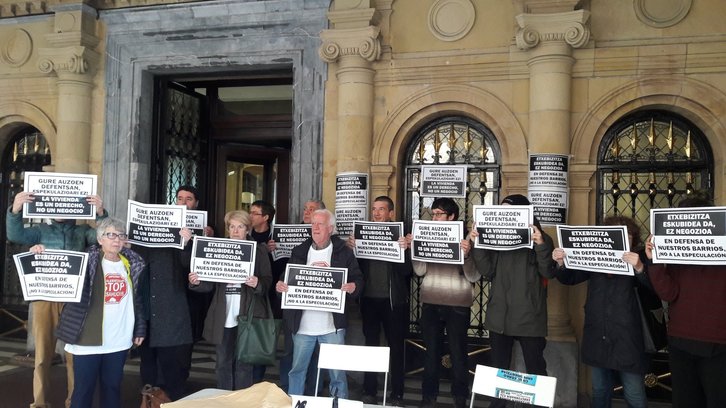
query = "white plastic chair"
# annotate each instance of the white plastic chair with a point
(354, 358)
(493, 381)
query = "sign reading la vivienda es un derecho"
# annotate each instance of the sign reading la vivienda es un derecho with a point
(595, 249)
(548, 187)
(222, 259)
(315, 288)
(695, 235)
(53, 275)
(351, 200)
(437, 241)
(60, 195)
(503, 227)
(156, 225)
(443, 181)
(379, 240)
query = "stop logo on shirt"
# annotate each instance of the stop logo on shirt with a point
(116, 289)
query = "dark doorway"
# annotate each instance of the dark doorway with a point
(229, 135)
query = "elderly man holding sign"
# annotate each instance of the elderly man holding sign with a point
(310, 327)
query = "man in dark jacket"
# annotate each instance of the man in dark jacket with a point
(166, 353)
(60, 234)
(385, 303)
(310, 327)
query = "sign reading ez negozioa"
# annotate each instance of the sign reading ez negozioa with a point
(315, 288)
(156, 225)
(443, 181)
(695, 235)
(437, 241)
(287, 237)
(223, 260)
(503, 227)
(378, 240)
(60, 195)
(596, 249)
(54, 275)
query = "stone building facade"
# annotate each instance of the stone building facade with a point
(370, 78)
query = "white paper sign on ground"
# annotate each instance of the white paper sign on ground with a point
(303, 401)
(515, 386)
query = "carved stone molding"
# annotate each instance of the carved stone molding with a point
(337, 43)
(16, 48)
(71, 60)
(661, 13)
(568, 27)
(451, 20)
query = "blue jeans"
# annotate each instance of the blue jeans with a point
(602, 388)
(106, 368)
(455, 320)
(303, 347)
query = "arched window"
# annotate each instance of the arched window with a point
(453, 141)
(651, 159)
(27, 151)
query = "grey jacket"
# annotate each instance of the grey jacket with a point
(518, 294)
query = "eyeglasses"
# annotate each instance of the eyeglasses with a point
(113, 235)
(439, 213)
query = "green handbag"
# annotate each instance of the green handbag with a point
(257, 337)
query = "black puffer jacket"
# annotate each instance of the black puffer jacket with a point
(73, 317)
(613, 335)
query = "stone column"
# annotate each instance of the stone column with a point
(549, 40)
(73, 61)
(353, 45)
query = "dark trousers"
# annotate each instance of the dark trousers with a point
(231, 373)
(532, 351)
(165, 367)
(434, 319)
(377, 313)
(698, 382)
(108, 369)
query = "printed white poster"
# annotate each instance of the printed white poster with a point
(695, 235)
(595, 249)
(443, 181)
(54, 275)
(156, 225)
(437, 241)
(60, 195)
(315, 288)
(223, 260)
(379, 240)
(287, 237)
(196, 221)
(503, 227)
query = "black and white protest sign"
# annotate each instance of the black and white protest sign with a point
(595, 249)
(379, 240)
(548, 170)
(287, 237)
(60, 195)
(345, 218)
(550, 206)
(315, 288)
(156, 225)
(503, 227)
(222, 259)
(443, 181)
(351, 189)
(351, 200)
(694, 235)
(196, 221)
(53, 275)
(437, 241)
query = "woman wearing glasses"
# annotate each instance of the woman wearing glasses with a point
(231, 300)
(101, 328)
